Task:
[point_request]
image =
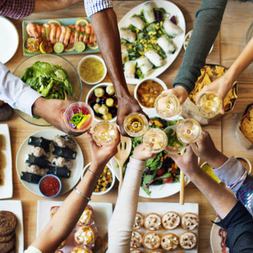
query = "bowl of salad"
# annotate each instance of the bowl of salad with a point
(53, 77)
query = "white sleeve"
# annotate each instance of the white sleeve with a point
(120, 227)
(32, 249)
(94, 6)
(15, 92)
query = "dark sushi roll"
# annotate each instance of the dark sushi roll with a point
(30, 177)
(40, 142)
(41, 161)
(66, 153)
(60, 171)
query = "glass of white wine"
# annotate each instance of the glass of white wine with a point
(135, 124)
(167, 105)
(104, 133)
(209, 105)
(156, 139)
(188, 130)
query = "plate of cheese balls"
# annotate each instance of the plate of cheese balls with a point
(162, 227)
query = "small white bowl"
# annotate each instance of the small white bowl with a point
(113, 179)
(96, 119)
(249, 169)
(98, 58)
(187, 40)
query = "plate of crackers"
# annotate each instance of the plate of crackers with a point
(162, 227)
(11, 229)
(90, 232)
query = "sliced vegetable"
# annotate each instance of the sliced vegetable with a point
(53, 21)
(32, 45)
(82, 22)
(79, 46)
(46, 47)
(58, 47)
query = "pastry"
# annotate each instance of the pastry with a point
(6, 247)
(8, 223)
(169, 241)
(188, 240)
(135, 250)
(171, 220)
(246, 125)
(139, 221)
(136, 240)
(151, 240)
(190, 221)
(85, 235)
(86, 217)
(152, 221)
(83, 249)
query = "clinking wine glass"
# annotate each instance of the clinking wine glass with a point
(167, 105)
(209, 105)
(135, 124)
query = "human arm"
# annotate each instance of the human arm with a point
(229, 170)
(205, 30)
(63, 222)
(120, 227)
(104, 21)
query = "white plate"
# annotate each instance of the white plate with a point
(9, 40)
(103, 213)
(6, 190)
(25, 149)
(215, 240)
(173, 10)
(15, 206)
(157, 191)
(162, 208)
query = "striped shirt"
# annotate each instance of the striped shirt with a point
(94, 6)
(16, 9)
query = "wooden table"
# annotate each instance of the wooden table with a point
(228, 45)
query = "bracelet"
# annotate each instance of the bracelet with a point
(82, 194)
(92, 172)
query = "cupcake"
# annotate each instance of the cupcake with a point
(169, 241)
(152, 222)
(171, 220)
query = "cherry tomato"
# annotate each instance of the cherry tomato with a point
(168, 180)
(160, 172)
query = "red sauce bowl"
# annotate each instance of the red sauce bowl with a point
(50, 186)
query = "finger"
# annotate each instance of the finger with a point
(194, 147)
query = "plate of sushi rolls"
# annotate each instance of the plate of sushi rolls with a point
(152, 35)
(49, 152)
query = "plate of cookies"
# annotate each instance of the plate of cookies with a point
(162, 227)
(90, 232)
(11, 229)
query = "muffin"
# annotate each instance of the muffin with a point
(136, 240)
(188, 240)
(139, 221)
(171, 220)
(152, 222)
(169, 241)
(190, 221)
(151, 240)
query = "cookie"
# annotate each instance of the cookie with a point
(152, 222)
(169, 241)
(7, 238)
(8, 223)
(136, 240)
(188, 240)
(171, 220)
(190, 221)
(151, 240)
(139, 221)
(86, 217)
(6, 247)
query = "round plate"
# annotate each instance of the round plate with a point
(9, 40)
(52, 59)
(25, 149)
(173, 10)
(215, 240)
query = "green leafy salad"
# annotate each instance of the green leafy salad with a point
(160, 169)
(50, 80)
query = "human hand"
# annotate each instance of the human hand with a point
(205, 149)
(180, 92)
(52, 111)
(220, 87)
(126, 106)
(188, 162)
(142, 152)
(100, 155)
